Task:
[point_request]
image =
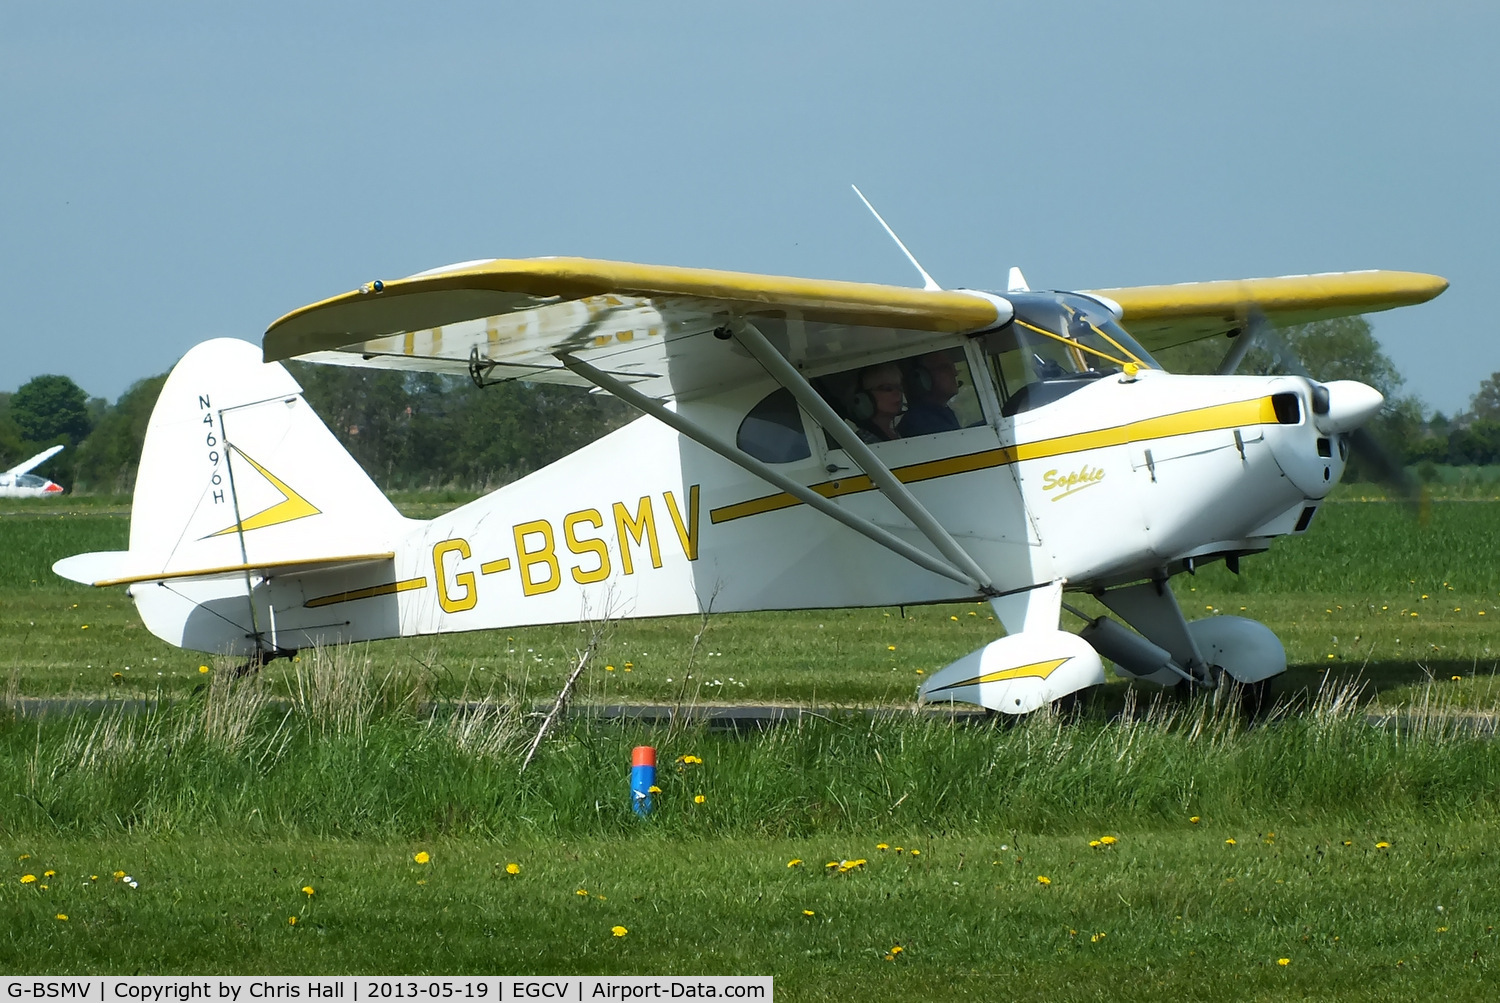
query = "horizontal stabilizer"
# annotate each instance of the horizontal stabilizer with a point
(122, 567)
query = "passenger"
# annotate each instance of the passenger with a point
(878, 403)
(931, 383)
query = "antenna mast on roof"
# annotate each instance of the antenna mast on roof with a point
(927, 280)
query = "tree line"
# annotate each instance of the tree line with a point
(415, 431)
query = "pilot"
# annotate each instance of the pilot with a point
(878, 402)
(931, 382)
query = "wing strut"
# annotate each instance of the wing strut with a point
(740, 458)
(899, 494)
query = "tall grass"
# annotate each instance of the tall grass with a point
(393, 768)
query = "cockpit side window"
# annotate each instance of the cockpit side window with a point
(922, 394)
(772, 431)
(1057, 343)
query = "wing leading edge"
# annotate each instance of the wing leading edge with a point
(652, 326)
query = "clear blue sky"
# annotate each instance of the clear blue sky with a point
(174, 172)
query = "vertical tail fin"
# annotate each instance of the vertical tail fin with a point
(238, 475)
(237, 468)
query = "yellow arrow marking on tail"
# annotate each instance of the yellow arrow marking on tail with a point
(1037, 670)
(291, 507)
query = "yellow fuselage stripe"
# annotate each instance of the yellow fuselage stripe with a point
(1259, 411)
(389, 588)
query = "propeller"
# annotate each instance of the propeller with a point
(1340, 407)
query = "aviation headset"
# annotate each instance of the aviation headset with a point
(914, 374)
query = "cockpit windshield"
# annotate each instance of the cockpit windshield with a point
(1057, 343)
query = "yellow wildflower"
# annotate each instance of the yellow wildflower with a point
(698, 799)
(27, 879)
(203, 668)
(794, 862)
(118, 875)
(1382, 845)
(1042, 879)
(882, 846)
(653, 789)
(291, 920)
(24, 856)
(63, 916)
(953, 618)
(1096, 938)
(618, 931)
(1095, 843)
(890, 647)
(808, 912)
(48, 874)
(1195, 819)
(1229, 841)
(1108, 840)
(690, 760)
(422, 857)
(1283, 962)
(583, 892)
(609, 668)
(916, 853)
(512, 868)
(308, 891)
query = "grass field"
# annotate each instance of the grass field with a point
(1361, 855)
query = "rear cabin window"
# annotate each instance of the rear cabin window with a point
(772, 431)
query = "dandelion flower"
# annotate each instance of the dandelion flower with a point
(203, 668)
(63, 916)
(882, 846)
(308, 891)
(1229, 841)
(512, 868)
(831, 863)
(1382, 845)
(808, 912)
(653, 789)
(1283, 962)
(291, 920)
(48, 874)
(93, 877)
(584, 892)
(609, 668)
(24, 856)
(1108, 840)
(699, 799)
(916, 853)
(794, 862)
(1457, 678)
(897, 949)
(1195, 819)
(422, 857)
(953, 618)
(890, 647)
(1095, 843)
(27, 879)
(1042, 879)
(618, 931)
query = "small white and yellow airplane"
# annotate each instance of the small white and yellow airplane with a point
(20, 482)
(804, 444)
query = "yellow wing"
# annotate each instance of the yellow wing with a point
(653, 325)
(1162, 316)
